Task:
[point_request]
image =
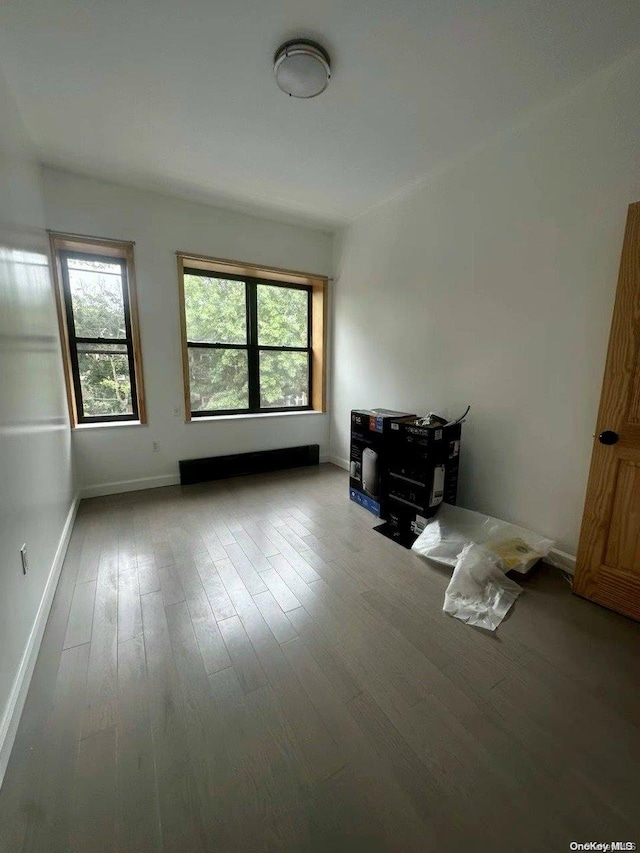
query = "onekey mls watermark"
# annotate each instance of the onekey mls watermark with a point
(602, 846)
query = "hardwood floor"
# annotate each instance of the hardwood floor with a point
(247, 666)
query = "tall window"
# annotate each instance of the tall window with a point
(98, 317)
(248, 341)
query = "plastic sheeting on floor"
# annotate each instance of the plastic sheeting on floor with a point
(481, 549)
(479, 592)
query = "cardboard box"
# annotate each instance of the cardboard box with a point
(369, 456)
(423, 473)
(403, 527)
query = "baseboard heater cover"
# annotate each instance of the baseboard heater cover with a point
(238, 464)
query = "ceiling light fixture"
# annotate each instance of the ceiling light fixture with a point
(302, 68)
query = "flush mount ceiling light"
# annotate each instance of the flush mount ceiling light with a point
(302, 68)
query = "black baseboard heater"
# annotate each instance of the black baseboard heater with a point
(258, 462)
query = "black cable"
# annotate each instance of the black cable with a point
(462, 417)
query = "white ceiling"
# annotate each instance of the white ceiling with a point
(178, 95)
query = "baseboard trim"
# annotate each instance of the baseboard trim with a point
(101, 489)
(561, 560)
(339, 461)
(20, 688)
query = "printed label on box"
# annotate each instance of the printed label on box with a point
(375, 423)
(365, 501)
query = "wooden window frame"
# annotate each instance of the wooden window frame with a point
(62, 244)
(315, 285)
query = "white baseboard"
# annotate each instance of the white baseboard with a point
(339, 461)
(561, 560)
(15, 704)
(101, 489)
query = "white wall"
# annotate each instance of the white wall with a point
(36, 484)
(493, 284)
(161, 225)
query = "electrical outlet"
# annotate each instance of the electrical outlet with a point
(23, 557)
(177, 411)
(155, 446)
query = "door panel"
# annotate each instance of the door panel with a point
(619, 590)
(634, 410)
(608, 561)
(624, 530)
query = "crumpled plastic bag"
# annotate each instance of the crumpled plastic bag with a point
(445, 535)
(479, 592)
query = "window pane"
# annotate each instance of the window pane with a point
(215, 309)
(96, 298)
(104, 380)
(284, 379)
(282, 316)
(218, 379)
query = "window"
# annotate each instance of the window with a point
(252, 339)
(98, 320)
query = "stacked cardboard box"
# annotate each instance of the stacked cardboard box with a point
(423, 465)
(369, 456)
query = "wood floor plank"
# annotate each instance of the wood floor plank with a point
(256, 540)
(94, 808)
(315, 742)
(275, 617)
(301, 563)
(215, 548)
(91, 550)
(138, 819)
(245, 568)
(172, 592)
(280, 591)
(162, 553)
(101, 691)
(148, 580)
(215, 590)
(181, 820)
(300, 588)
(212, 647)
(234, 586)
(127, 550)
(449, 824)
(81, 615)
(294, 556)
(293, 539)
(247, 665)
(223, 533)
(129, 606)
(299, 529)
(397, 819)
(257, 746)
(321, 648)
(199, 718)
(50, 822)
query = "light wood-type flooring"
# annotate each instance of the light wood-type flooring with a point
(247, 666)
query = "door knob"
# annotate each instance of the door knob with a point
(608, 437)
